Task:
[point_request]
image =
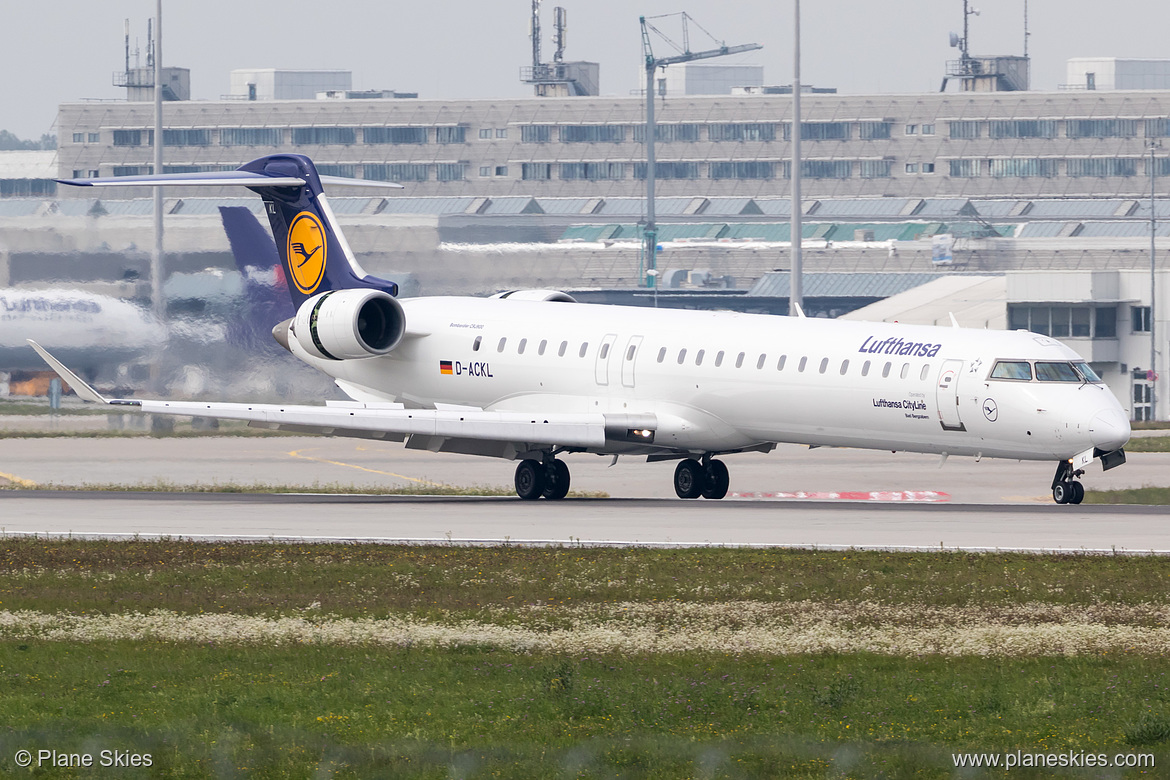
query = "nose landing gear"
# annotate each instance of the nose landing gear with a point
(1065, 487)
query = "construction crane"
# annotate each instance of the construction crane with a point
(652, 65)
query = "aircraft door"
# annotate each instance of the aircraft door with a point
(604, 352)
(629, 357)
(947, 396)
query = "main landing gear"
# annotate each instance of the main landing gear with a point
(1065, 487)
(708, 478)
(535, 479)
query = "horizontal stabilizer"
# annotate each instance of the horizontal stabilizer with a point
(222, 179)
(84, 391)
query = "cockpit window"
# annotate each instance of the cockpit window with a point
(1056, 372)
(1012, 369)
(1087, 373)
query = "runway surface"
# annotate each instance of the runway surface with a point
(992, 504)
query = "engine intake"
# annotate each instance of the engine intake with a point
(349, 324)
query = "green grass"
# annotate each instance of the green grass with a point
(1149, 444)
(329, 488)
(1142, 495)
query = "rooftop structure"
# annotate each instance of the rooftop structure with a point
(1107, 73)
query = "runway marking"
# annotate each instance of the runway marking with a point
(876, 495)
(28, 483)
(298, 454)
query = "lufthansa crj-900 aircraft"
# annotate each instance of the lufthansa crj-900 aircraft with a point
(530, 375)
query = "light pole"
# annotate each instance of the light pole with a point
(796, 257)
(1153, 373)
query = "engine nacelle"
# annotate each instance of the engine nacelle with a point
(537, 295)
(349, 324)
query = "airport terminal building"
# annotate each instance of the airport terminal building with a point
(965, 144)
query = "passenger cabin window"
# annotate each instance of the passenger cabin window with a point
(865, 368)
(662, 354)
(503, 341)
(630, 352)
(699, 357)
(739, 361)
(561, 351)
(1056, 372)
(925, 371)
(584, 348)
(523, 344)
(719, 359)
(543, 344)
(780, 363)
(760, 362)
(1012, 369)
(844, 367)
(905, 370)
(475, 344)
(802, 364)
(604, 351)
(824, 365)
(682, 355)
(886, 370)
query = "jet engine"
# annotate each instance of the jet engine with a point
(349, 324)
(537, 295)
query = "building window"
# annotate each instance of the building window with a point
(874, 131)
(964, 129)
(450, 171)
(757, 131)
(501, 170)
(1025, 168)
(347, 171)
(928, 129)
(875, 169)
(1158, 128)
(593, 171)
(485, 133)
(1141, 318)
(485, 170)
(911, 167)
(131, 170)
(821, 131)
(324, 136)
(1100, 128)
(395, 171)
(251, 136)
(79, 138)
(1022, 128)
(825, 169)
(1102, 166)
(392, 135)
(686, 133)
(449, 135)
(190, 168)
(1078, 322)
(535, 134)
(668, 170)
(186, 137)
(501, 132)
(752, 169)
(911, 129)
(965, 169)
(928, 167)
(127, 138)
(94, 138)
(536, 171)
(592, 134)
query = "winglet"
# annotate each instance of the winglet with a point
(80, 387)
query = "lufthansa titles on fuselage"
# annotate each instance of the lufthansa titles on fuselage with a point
(899, 346)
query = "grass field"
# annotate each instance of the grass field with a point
(287, 660)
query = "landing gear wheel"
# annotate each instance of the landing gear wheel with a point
(1063, 491)
(717, 480)
(1078, 493)
(557, 486)
(689, 479)
(530, 479)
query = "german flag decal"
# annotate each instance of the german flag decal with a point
(445, 367)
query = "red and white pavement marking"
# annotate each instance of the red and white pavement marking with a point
(854, 495)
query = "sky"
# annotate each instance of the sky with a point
(68, 50)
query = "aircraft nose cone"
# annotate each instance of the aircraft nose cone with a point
(1109, 430)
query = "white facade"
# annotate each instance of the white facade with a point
(689, 78)
(277, 84)
(1107, 73)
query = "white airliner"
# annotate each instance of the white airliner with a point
(88, 331)
(530, 375)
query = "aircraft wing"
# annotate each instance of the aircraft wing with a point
(435, 429)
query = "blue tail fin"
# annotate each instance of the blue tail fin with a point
(266, 297)
(313, 252)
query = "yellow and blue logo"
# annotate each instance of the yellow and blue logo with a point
(306, 252)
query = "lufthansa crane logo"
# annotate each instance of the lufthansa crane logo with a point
(306, 252)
